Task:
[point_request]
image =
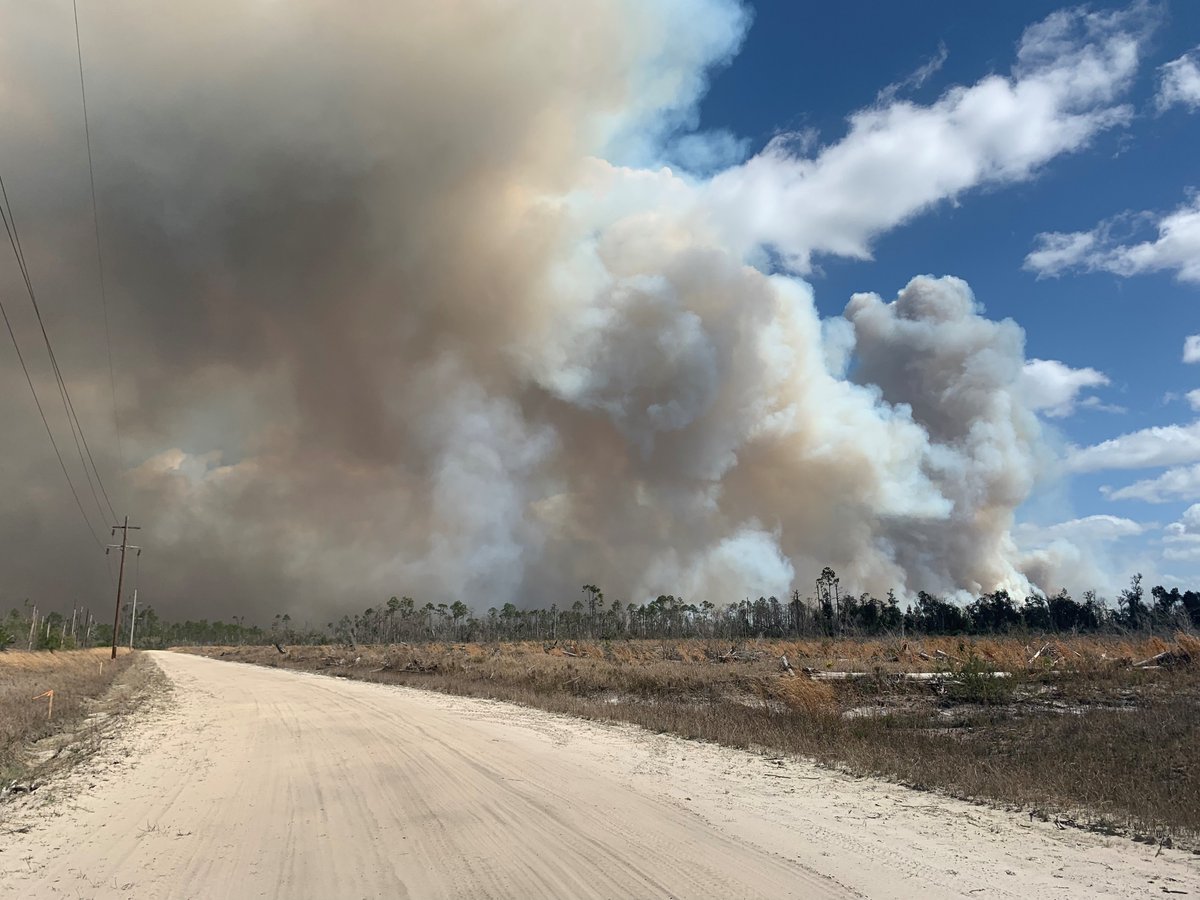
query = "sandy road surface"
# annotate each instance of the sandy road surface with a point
(252, 782)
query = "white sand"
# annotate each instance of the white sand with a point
(253, 782)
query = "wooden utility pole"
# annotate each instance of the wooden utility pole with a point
(123, 546)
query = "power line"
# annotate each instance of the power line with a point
(64, 395)
(49, 432)
(15, 241)
(87, 133)
(10, 225)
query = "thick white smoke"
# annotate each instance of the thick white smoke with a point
(960, 375)
(440, 300)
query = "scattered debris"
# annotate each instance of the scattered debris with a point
(736, 655)
(937, 677)
(1177, 656)
(420, 667)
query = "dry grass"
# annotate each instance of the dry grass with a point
(798, 694)
(76, 677)
(1077, 732)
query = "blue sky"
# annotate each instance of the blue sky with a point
(809, 66)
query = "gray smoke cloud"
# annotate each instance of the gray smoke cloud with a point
(435, 299)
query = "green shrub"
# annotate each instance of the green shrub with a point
(975, 680)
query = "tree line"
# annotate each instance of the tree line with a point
(828, 611)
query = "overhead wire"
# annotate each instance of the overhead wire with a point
(87, 133)
(49, 432)
(86, 458)
(81, 444)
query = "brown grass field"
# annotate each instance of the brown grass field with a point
(77, 678)
(1079, 733)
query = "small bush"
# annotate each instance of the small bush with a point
(975, 680)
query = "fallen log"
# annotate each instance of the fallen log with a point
(1177, 657)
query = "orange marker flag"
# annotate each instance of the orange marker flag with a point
(50, 705)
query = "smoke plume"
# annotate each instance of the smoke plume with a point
(442, 299)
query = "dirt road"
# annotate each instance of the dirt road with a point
(252, 782)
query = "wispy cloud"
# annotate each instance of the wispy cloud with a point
(1086, 529)
(1167, 445)
(1099, 405)
(1181, 483)
(1179, 82)
(917, 78)
(1176, 248)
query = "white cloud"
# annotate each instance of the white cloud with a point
(1191, 348)
(1176, 247)
(1182, 538)
(1058, 252)
(1191, 518)
(902, 158)
(1052, 387)
(1181, 542)
(1085, 530)
(1193, 399)
(1100, 406)
(1179, 82)
(1182, 553)
(1181, 483)
(1168, 445)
